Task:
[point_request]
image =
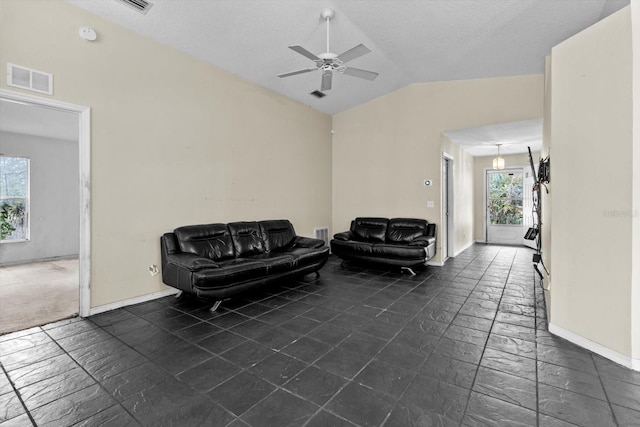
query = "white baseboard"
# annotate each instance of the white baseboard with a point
(603, 351)
(435, 263)
(131, 301)
(471, 243)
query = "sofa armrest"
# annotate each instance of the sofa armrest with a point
(308, 242)
(345, 236)
(422, 241)
(191, 262)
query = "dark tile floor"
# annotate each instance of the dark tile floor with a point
(465, 344)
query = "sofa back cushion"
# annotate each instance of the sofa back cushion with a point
(369, 229)
(404, 230)
(211, 241)
(278, 235)
(247, 238)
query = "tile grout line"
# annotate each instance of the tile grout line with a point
(18, 395)
(98, 382)
(466, 407)
(604, 389)
(349, 381)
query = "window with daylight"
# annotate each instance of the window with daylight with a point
(14, 199)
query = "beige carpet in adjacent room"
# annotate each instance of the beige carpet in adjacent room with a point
(37, 293)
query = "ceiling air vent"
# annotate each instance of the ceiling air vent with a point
(141, 6)
(318, 94)
(30, 79)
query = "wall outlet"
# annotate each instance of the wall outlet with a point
(154, 270)
(430, 203)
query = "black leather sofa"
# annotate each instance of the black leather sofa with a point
(219, 261)
(400, 242)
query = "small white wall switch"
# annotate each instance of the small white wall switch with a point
(430, 203)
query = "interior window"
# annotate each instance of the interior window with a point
(14, 199)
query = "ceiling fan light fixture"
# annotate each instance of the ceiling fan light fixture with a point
(498, 162)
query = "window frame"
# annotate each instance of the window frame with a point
(27, 203)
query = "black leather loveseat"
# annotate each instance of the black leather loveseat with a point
(401, 242)
(219, 261)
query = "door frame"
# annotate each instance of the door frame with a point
(449, 223)
(485, 195)
(84, 156)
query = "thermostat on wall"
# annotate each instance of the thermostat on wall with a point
(88, 34)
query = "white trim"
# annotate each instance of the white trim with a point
(131, 301)
(471, 243)
(603, 351)
(84, 156)
(436, 263)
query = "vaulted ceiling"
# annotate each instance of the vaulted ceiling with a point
(411, 41)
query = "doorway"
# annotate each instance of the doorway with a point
(447, 233)
(504, 206)
(81, 117)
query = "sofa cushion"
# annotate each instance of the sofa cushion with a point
(247, 238)
(369, 229)
(395, 251)
(405, 230)
(308, 256)
(351, 247)
(275, 262)
(278, 235)
(230, 272)
(211, 241)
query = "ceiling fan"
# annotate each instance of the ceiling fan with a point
(329, 62)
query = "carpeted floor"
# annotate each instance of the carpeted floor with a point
(37, 293)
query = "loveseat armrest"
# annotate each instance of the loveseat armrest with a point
(191, 262)
(422, 241)
(308, 242)
(344, 236)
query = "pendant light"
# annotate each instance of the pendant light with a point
(498, 162)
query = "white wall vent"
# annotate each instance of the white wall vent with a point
(141, 6)
(30, 79)
(322, 233)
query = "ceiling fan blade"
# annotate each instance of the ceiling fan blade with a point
(293, 73)
(363, 74)
(304, 52)
(326, 80)
(353, 53)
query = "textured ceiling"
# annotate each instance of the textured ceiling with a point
(513, 138)
(411, 40)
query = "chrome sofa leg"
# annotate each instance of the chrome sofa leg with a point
(178, 295)
(215, 306)
(407, 269)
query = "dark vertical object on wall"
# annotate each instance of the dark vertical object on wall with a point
(535, 232)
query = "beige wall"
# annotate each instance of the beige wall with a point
(383, 150)
(481, 164)
(462, 196)
(545, 198)
(174, 141)
(591, 172)
(635, 278)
